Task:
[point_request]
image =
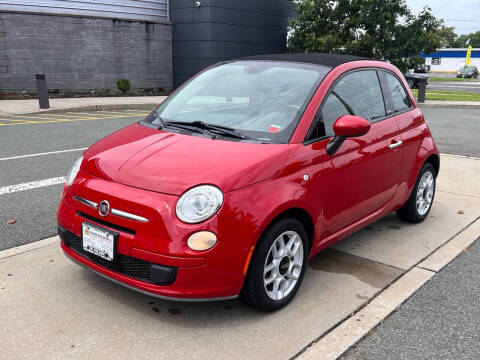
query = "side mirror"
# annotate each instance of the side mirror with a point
(344, 127)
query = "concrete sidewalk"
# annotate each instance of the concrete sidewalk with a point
(17, 107)
(56, 309)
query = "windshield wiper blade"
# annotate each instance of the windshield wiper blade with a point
(183, 125)
(215, 129)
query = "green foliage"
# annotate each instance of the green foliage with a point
(123, 85)
(380, 29)
(462, 39)
(447, 37)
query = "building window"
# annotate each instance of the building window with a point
(435, 61)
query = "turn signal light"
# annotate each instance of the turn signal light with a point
(202, 240)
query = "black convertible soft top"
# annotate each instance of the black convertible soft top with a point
(330, 60)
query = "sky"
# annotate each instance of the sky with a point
(464, 15)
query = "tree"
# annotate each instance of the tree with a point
(379, 29)
(447, 36)
(462, 39)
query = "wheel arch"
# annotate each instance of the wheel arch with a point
(296, 212)
(302, 216)
(434, 160)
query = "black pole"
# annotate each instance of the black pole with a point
(422, 88)
(42, 91)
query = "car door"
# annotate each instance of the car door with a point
(364, 172)
(410, 120)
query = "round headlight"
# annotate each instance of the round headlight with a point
(199, 204)
(72, 174)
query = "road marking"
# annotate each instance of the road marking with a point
(41, 154)
(51, 120)
(31, 185)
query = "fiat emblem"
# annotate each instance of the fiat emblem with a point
(104, 208)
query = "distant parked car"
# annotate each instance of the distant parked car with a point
(422, 69)
(413, 79)
(468, 72)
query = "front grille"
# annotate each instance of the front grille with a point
(122, 264)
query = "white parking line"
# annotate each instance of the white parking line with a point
(31, 185)
(41, 154)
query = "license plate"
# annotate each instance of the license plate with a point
(98, 241)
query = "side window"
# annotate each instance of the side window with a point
(357, 93)
(398, 96)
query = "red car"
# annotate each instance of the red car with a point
(246, 171)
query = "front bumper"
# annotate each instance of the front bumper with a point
(153, 257)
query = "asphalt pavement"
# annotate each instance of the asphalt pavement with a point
(34, 211)
(456, 131)
(468, 86)
(440, 321)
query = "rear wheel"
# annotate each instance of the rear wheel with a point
(421, 199)
(277, 267)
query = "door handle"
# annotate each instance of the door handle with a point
(395, 145)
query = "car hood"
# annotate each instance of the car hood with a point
(171, 163)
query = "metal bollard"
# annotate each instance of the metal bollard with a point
(422, 88)
(42, 91)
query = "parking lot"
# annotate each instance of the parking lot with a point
(61, 310)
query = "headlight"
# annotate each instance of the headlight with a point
(72, 174)
(199, 204)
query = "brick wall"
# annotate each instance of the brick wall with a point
(78, 53)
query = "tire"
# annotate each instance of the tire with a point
(411, 84)
(415, 211)
(256, 292)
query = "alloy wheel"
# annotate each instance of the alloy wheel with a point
(283, 265)
(425, 191)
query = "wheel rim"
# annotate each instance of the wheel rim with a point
(283, 265)
(425, 193)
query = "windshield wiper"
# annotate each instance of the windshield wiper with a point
(215, 129)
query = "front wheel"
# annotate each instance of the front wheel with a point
(277, 267)
(421, 199)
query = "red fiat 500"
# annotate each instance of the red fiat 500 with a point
(244, 173)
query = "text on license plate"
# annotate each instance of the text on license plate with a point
(98, 241)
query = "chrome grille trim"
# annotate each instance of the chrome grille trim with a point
(86, 202)
(127, 215)
(115, 212)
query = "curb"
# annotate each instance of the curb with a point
(106, 107)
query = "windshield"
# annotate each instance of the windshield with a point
(262, 100)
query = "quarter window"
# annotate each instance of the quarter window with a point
(357, 93)
(399, 98)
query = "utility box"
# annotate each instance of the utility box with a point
(208, 31)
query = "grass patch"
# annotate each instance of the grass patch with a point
(435, 79)
(449, 95)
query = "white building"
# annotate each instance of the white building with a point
(450, 60)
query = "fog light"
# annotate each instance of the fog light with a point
(202, 240)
